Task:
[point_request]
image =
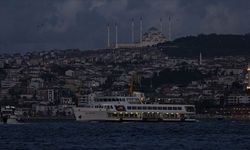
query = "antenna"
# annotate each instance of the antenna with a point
(108, 29)
(116, 35)
(132, 31)
(169, 29)
(141, 30)
(161, 28)
(200, 60)
(248, 77)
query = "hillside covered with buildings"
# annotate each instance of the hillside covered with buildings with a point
(205, 70)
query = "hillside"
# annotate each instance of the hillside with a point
(209, 45)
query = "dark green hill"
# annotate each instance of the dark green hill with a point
(209, 45)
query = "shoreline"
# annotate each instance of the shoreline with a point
(222, 117)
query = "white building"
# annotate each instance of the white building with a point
(8, 83)
(238, 99)
(36, 83)
(51, 95)
(69, 73)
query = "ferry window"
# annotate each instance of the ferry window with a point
(129, 107)
(149, 108)
(174, 108)
(139, 108)
(133, 107)
(154, 108)
(144, 107)
(170, 108)
(179, 108)
(164, 108)
(159, 108)
(111, 107)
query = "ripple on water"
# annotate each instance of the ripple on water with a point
(201, 135)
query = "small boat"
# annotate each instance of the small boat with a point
(8, 115)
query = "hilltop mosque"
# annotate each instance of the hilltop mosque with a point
(152, 37)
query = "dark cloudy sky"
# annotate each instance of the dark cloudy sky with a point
(32, 25)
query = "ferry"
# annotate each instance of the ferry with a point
(131, 108)
(8, 115)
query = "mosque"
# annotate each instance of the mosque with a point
(151, 37)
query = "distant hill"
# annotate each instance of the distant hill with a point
(209, 45)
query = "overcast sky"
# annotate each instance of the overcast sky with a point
(32, 25)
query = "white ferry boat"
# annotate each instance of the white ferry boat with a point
(131, 108)
(8, 115)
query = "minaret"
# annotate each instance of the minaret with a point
(200, 59)
(161, 28)
(132, 31)
(248, 77)
(169, 29)
(108, 29)
(140, 30)
(116, 35)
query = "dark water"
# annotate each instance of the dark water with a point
(204, 135)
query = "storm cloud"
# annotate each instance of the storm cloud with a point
(28, 25)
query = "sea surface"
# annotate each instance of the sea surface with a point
(203, 135)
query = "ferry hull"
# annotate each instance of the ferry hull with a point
(89, 115)
(11, 120)
(97, 115)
